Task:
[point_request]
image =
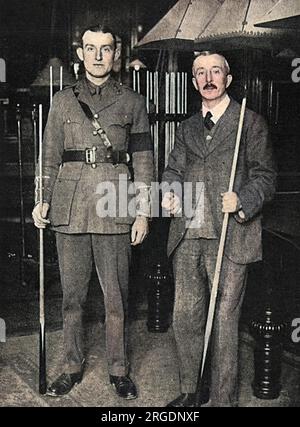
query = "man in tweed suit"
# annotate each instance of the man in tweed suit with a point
(83, 158)
(203, 153)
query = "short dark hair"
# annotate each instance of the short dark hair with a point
(100, 28)
(209, 53)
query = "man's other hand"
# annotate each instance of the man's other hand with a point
(139, 230)
(39, 215)
(171, 203)
(230, 202)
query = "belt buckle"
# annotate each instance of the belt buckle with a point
(90, 156)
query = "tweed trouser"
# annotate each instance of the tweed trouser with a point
(194, 266)
(111, 255)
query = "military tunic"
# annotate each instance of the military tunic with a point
(72, 188)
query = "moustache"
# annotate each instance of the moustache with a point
(210, 86)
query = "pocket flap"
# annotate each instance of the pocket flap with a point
(61, 202)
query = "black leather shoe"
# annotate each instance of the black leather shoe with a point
(203, 397)
(64, 384)
(124, 387)
(189, 400)
(182, 401)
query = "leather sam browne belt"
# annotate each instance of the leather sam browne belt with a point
(91, 156)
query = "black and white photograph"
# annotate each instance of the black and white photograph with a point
(149, 206)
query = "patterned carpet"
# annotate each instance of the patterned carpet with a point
(153, 367)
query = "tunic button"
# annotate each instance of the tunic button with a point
(208, 138)
(95, 133)
(96, 116)
(68, 121)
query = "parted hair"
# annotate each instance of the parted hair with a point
(99, 28)
(211, 52)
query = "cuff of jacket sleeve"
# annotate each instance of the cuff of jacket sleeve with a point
(240, 216)
(46, 198)
(245, 206)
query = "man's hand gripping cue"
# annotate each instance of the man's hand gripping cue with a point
(39, 215)
(231, 204)
(171, 203)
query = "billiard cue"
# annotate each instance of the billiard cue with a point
(215, 285)
(42, 336)
(21, 193)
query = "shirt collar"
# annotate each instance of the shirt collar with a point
(218, 111)
(94, 88)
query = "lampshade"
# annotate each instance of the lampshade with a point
(285, 14)
(181, 25)
(234, 27)
(137, 64)
(43, 78)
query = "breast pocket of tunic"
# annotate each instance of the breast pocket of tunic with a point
(119, 131)
(73, 128)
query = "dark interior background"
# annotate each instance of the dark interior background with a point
(32, 32)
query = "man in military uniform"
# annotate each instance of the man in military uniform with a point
(92, 129)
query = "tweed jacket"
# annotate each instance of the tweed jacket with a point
(72, 188)
(195, 160)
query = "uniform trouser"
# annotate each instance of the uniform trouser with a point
(111, 254)
(194, 263)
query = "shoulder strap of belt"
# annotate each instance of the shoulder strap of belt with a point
(89, 114)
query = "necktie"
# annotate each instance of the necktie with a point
(94, 89)
(208, 123)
